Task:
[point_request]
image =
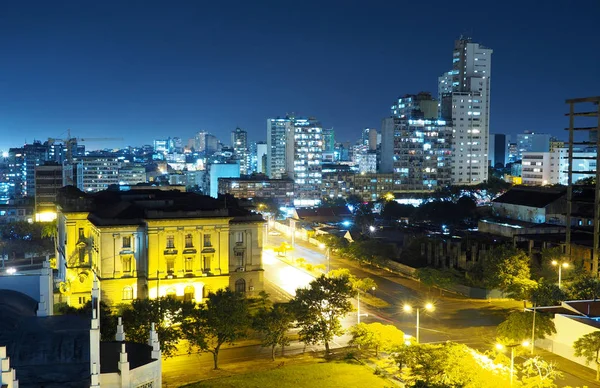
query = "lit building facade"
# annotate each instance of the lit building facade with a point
(280, 147)
(464, 94)
(370, 187)
(131, 175)
(166, 243)
(257, 186)
(99, 172)
(239, 142)
(308, 157)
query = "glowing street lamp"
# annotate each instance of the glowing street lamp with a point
(11, 271)
(560, 266)
(408, 308)
(512, 347)
(371, 228)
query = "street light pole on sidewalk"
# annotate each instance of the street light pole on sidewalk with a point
(358, 314)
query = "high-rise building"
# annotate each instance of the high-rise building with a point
(416, 106)
(261, 157)
(417, 151)
(464, 95)
(328, 140)
(49, 178)
(280, 147)
(239, 143)
(308, 158)
(22, 163)
(99, 172)
(161, 145)
(498, 153)
(532, 142)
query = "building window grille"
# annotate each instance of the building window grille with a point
(170, 241)
(126, 242)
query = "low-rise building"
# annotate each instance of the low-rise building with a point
(259, 186)
(341, 184)
(153, 243)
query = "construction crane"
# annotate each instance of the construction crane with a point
(71, 142)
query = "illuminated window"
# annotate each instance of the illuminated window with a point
(239, 255)
(127, 293)
(170, 241)
(170, 264)
(189, 243)
(206, 262)
(207, 242)
(126, 243)
(240, 286)
(189, 264)
(189, 293)
(239, 237)
(126, 263)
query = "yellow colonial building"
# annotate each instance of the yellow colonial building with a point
(149, 243)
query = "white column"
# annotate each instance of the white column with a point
(120, 336)
(8, 376)
(95, 335)
(46, 305)
(124, 367)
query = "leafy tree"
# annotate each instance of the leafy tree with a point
(358, 284)
(588, 347)
(224, 318)
(273, 324)
(432, 277)
(585, 287)
(507, 269)
(517, 327)
(332, 241)
(393, 210)
(547, 294)
(376, 336)
(538, 373)
(166, 314)
(320, 307)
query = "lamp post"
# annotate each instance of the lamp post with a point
(327, 255)
(560, 266)
(358, 314)
(512, 356)
(408, 309)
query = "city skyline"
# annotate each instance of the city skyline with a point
(144, 73)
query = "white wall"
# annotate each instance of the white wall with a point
(567, 332)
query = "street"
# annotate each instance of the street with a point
(455, 318)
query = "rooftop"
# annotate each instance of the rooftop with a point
(537, 197)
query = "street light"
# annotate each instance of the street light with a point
(560, 266)
(512, 347)
(371, 228)
(358, 314)
(408, 308)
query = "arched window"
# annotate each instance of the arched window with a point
(127, 293)
(171, 293)
(189, 293)
(240, 286)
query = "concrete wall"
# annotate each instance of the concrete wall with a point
(567, 332)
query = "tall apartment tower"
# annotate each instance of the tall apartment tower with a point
(280, 147)
(239, 142)
(295, 150)
(464, 95)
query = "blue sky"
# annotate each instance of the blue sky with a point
(147, 69)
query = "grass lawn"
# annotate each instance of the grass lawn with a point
(322, 375)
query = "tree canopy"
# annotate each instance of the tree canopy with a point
(588, 347)
(320, 307)
(517, 327)
(223, 318)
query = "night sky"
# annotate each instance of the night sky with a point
(143, 70)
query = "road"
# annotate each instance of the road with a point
(455, 318)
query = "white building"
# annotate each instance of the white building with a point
(308, 157)
(131, 175)
(99, 172)
(280, 147)
(239, 143)
(550, 168)
(464, 94)
(539, 168)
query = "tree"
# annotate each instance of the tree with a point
(432, 277)
(224, 318)
(538, 373)
(393, 210)
(274, 323)
(507, 269)
(517, 327)
(376, 336)
(547, 294)
(588, 347)
(320, 307)
(585, 287)
(166, 313)
(358, 284)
